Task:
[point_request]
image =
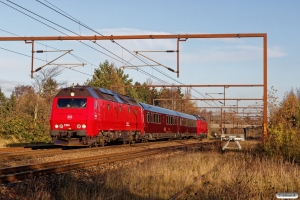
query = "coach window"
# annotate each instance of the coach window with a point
(108, 106)
(128, 109)
(159, 118)
(148, 117)
(120, 108)
(167, 122)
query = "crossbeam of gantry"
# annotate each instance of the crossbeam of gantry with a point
(179, 37)
(134, 37)
(210, 99)
(194, 85)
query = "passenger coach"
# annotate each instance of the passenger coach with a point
(165, 123)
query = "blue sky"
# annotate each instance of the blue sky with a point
(202, 61)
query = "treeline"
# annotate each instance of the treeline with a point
(25, 114)
(284, 126)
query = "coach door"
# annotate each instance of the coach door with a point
(177, 124)
(147, 120)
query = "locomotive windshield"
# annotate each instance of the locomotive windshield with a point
(71, 103)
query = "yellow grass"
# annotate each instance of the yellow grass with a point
(239, 175)
(5, 142)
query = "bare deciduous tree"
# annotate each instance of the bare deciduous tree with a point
(44, 81)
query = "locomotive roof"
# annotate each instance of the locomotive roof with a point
(88, 91)
(82, 91)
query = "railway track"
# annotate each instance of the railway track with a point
(23, 172)
(30, 153)
(12, 149)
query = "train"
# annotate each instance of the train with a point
(85, 115)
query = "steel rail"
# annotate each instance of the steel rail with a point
(10, 170)
(68, 167)
(72, 164)
(29, 153)
(12, 149)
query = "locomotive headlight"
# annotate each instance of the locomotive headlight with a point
(83, 126)
(78, 126)
(72, 94)
(56, 126)
(61, 126)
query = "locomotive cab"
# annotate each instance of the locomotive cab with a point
(73, 114)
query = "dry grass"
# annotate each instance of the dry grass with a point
(240, 176)
(245, 176)
(4, 142)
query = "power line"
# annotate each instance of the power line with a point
(41, 60)
(63, 13)
(75, 56)
(142, 71)
(91, 29)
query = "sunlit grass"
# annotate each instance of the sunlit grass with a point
(239, 175)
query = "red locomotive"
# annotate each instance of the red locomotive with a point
(84, 115)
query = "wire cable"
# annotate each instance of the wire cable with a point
(95, 43)
(75, 56)
(142, 71)
(41, 60)
(63, 13)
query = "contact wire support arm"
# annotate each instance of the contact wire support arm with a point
(38, 69)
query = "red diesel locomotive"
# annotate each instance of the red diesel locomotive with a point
(84, 115)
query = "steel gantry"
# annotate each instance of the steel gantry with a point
(178, 37)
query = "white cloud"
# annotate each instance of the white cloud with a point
(8, 86)
(233, 54)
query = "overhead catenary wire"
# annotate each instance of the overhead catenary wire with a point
(142, 71)
(63, 13)
(41, 60)
(80, 41)
(75, 56)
